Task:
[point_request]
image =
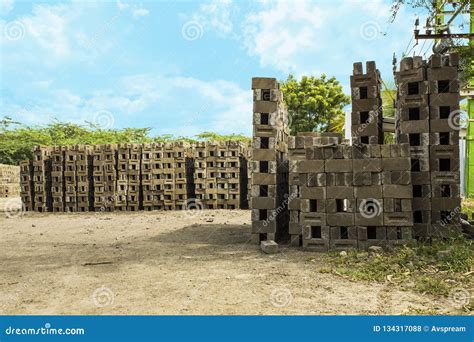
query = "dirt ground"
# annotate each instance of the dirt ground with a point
(167, 263)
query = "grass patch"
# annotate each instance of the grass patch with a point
(468, 206)
(434, 268)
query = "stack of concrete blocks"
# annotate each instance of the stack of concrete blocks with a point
(70, 181)
(134, 193)
(350, 196)
(76, 178)
(203, 191)
(122, 186)
(383, 193)
(366, 117)
(9, 181)
(413, 127)
(269, 165)
(83, 177)
(443, 90)
(183, 179)
(104, 177)
(27, 185)
(58, 189)
(42, 179)
(427, 105)
(299, 178)
(151, 197)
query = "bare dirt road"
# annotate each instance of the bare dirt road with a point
(198, 262)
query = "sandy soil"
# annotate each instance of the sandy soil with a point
(198, 262)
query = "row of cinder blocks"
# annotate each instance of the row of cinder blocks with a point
(324, 238)
(9, 180)
(220, 175)
(269, 166)
(427, 114)
(130, 177)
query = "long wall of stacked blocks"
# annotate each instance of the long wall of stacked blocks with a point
(314, 190)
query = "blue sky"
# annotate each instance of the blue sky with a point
(180, 67)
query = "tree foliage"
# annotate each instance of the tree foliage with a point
(17, 140)
(314, 103)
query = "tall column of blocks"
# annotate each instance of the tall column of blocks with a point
(367, 120)
(104, 177)
(200, 153)
(58, 188)
(41, 178)
(269, 162)
(150, 198)
(427, 106)
(413, 127)
(122, 185)
(27, 185)
(443, 89)
(134, 193)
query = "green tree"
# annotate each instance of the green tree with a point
(17, 140)
(314, 103)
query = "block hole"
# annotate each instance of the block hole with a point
(443, 86)
(364, 117)
(344, 233)
(262, 214)
(417, 216)
(313, 205)
(417, 191)
(444, 164)
(316, 232)
(263, 190)
(263, 166)
(371, 233)
(364, 94)
(445, 190)
(414, 113)
(264, 118)
(444, 138)
(444, 112)
(415, 139)
(415, 165)
(413, 88)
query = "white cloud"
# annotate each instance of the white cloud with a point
(121, 5)
(6, 6)
(140, 12)
(215, 15)
(47, 27)
(172, 105)
(309, 37)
